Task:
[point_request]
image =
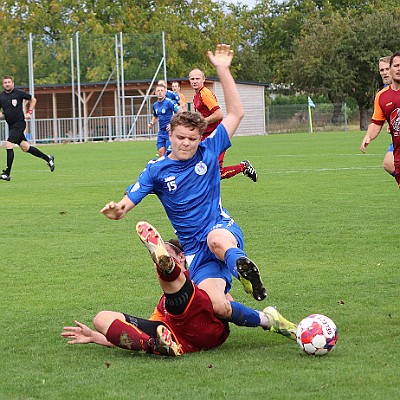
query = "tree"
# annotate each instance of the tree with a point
(270, 29)
(191, 28)
(338, 55)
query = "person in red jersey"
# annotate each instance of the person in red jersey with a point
(183, 321)
(387, 108)
(205, 102)
(384, 71)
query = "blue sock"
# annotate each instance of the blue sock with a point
(230, 260)
(244, 316)
(393, 173)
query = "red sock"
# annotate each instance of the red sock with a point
(232, 170)
(126, 336)
(173, 275)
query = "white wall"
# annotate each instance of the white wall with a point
(253, 101)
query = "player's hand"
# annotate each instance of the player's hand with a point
(364, 144)
(112, 210)
(117, 210)
(28, 116)
(223, 56)
(79, 334)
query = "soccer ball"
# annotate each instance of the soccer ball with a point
(317, 335)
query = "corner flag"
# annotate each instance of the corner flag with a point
(310, 105)
(310, 102)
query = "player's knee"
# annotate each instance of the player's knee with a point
(388, 163)
(222, 309)
(219, 241)
(102, 321)
(214, 241)
(388, 167)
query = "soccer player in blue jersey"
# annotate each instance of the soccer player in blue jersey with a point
(163, 110)
(187, 183)
(170, 94)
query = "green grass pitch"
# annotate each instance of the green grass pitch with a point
(321, 223)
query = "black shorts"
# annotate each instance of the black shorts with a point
(16, 132)
(145, 325)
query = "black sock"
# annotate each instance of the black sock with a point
(176, 303)
(10, 160)
(145, 325)
(37, 153)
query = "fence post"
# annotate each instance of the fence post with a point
(109, 129)
(32, 123)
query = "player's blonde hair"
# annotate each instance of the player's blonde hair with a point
(384, 60)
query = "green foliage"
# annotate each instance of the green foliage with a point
(305, 225)
(315, 46)
(338, 54)
(191, 28)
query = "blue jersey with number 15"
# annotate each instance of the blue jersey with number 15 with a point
(188, 190)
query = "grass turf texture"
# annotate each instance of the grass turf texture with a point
(320, 223)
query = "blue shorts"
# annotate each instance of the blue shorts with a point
(391, 148)
(204, 264)
(163, 140)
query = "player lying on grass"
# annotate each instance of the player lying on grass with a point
(183, 321)
(187, 182)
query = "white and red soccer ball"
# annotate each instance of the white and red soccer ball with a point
(317, 335)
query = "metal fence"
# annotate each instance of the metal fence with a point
(279, 119)
(301, 118)
(65, 130)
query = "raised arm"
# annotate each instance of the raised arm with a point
(234, 110)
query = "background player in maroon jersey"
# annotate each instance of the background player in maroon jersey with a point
(387, 108)
(384, 71)
(205, 102)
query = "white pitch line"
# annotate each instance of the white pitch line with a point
(293, 171)
(328, 154)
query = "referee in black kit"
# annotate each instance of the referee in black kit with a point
(11, 102)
